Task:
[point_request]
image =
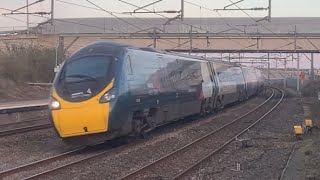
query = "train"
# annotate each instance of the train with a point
(108, 90)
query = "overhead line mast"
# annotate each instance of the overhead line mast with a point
(269, 17)
(27, 16)
(182, 10)
(52, 10)
(17, 12)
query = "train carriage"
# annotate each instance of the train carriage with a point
(230, 82)
(108, 90)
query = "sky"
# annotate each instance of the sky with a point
(280, 8)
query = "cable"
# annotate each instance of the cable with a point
(113, 14)
(70, 22)
(224, 19)
(88, 7)
(82, 24)
(74, 4)
(181, 22)
(258, 22)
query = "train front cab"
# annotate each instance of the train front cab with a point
(81, 95)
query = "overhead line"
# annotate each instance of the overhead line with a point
(27, 5)
(224, 19)
(101, 9)
(70, 22)
(182, 22)
(258, 22)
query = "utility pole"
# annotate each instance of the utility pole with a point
(295, 38)
(268, 69)
(298, 72)
(312, 67)
(190, 39)
(182, 10)
(269, 16)
(154, 38)
(28, 17)
(285, 74)
(60, 49)
(18, 12)
(52, 10)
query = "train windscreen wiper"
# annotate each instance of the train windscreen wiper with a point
(81, 77)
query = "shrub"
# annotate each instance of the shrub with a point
(20, 63)
(311, 88)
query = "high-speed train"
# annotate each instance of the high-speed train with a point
(108, 90)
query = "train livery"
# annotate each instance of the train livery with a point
(108, 90)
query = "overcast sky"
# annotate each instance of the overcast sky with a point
(280, 8)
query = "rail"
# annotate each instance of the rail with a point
(103, 152)
(25, 129)
(146, 168)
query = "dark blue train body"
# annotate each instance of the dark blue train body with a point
(108, 90)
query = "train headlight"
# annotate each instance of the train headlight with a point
(54, 104)
(109, 96)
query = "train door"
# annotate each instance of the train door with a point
(245, 81)
(207, 84)
(214, 83)
(218, 95)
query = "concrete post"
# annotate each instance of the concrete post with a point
(285, 74)
(312, 67)
(268, 69)
(61, 49)
(298, 72)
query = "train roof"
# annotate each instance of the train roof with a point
(108, 47)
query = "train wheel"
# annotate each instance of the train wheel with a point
(246, 96)
(220, 105)
(241, 98)
(139, 128)
(210, 106)
(203, 110)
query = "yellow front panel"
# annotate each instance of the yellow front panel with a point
(80, 118)
(83, 120)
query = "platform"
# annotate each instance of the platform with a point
(11, 107)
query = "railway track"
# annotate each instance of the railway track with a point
(288, 161)
(39, 167)
(180, 162)
(84, 154)
(24, 126)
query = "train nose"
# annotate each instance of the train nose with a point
(81, 120)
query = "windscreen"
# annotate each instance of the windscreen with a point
(84, 77)
(87, 69)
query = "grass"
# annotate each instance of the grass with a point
(20, 64)
(311, 89)
(26, 64)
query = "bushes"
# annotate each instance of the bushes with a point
(311, 88)
(20, 63)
